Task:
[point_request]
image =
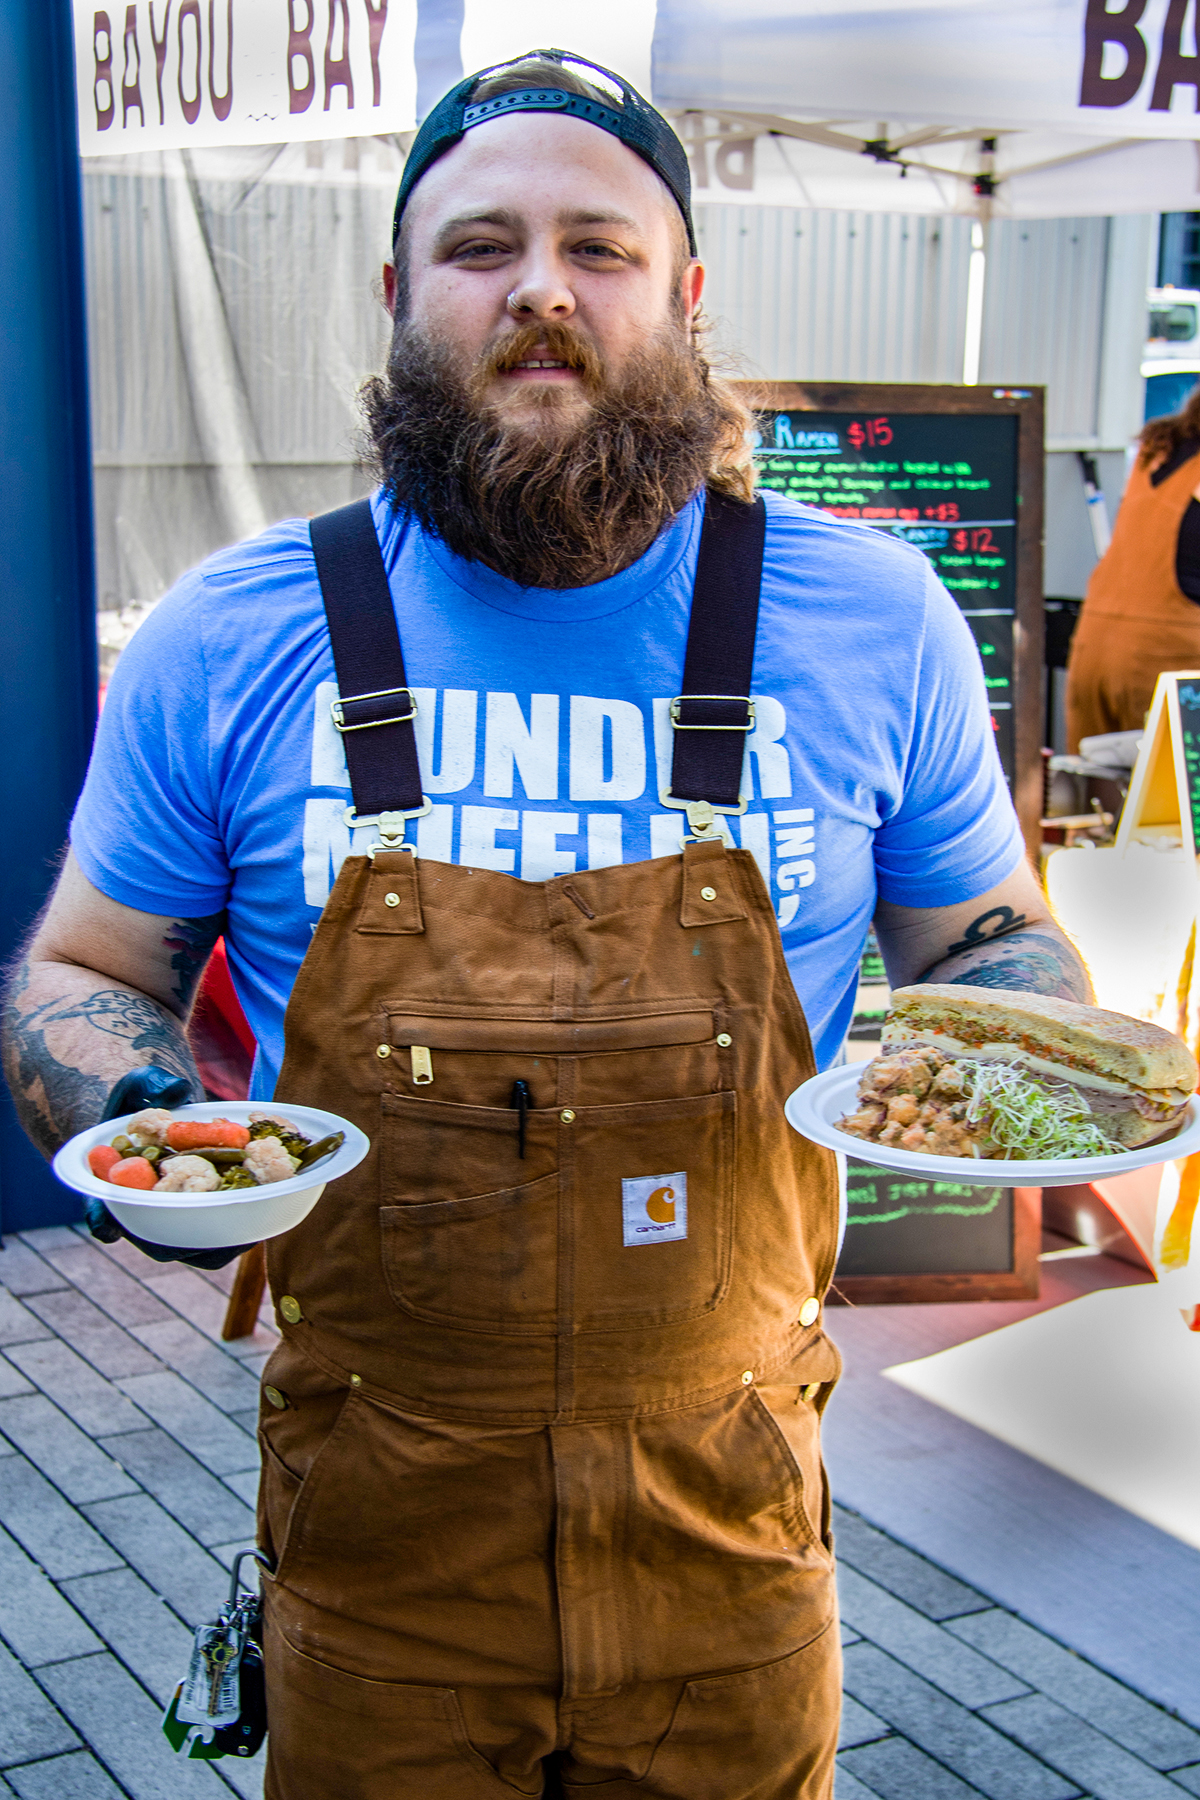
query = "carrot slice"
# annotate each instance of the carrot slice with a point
(101, 1158)
(207, 1134)
(133, 1172)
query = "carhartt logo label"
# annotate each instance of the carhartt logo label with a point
(655, 1208)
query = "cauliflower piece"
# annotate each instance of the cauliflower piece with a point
(149, 1126)
(267, 1160)
(188, 1175)
(258, 1118)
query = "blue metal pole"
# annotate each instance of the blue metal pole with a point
(47, 599)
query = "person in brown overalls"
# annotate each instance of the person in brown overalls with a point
(562, 1488)
(1141, 613)
(542, 1503)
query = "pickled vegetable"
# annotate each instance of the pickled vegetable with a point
(236, 1178)
(323, 1147)
(207, 1134)
(189, 1175)
(133, 1172)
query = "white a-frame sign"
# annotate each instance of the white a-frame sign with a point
(1163, 802)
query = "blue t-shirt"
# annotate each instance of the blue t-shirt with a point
(218, 781)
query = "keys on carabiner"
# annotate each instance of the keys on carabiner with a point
(219, 1708)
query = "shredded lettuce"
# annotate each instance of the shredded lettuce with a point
(1029, 1120)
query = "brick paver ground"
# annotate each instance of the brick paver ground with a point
(127, 1473)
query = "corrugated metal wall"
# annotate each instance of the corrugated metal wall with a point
(296, 268)
(1043, 315)
(836, 296)
(882, 297)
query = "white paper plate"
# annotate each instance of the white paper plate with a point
(814, 1107)
(212, 1221)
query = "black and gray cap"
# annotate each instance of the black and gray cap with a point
(632, 119)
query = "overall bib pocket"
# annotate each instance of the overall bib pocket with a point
(617, 1217)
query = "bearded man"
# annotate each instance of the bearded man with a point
(543, 1503)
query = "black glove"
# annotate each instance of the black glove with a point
(150, 1086)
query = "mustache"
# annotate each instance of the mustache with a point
(553, 341)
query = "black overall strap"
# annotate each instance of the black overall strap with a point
(375, 708)
(714, 712)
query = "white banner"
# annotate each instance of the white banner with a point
(1124, 70)
(193, 74)
(183, 74)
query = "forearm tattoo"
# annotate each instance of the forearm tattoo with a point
(999, 950)
(54, 1097)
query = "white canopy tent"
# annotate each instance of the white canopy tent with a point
(1034, 109)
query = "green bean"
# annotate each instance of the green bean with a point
(323, 1147)
(125, 1145)
(220, 1157)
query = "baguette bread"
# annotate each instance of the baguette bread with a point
(1077, 1039)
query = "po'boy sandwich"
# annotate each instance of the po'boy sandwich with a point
(995, 1072)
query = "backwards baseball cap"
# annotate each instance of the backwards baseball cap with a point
(630, 118)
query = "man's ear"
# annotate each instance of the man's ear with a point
(693, 287)
(389, 287)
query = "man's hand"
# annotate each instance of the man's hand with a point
(100, 990)
(1006, 938)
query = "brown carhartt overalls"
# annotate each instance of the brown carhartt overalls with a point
(544, 1492)
(1136, 620)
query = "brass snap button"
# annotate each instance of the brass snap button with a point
(356, 1381)
(384, 1050)
(747, 1377)
(289, 1308)
(567, 1116)
(274, 1398)
(708, 893)
(724, 1039)
(811, 1391)
(809, 1310)
(391, 899)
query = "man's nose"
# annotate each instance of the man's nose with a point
(541, 293)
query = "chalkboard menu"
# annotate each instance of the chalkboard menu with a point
(957, 473)
(1188, 692)
(910, 1240)
(871, 1001)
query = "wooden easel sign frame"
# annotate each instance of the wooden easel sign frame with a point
(1164, 794)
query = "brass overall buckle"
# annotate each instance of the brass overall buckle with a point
(391, 826)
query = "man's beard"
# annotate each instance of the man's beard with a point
(556, 498)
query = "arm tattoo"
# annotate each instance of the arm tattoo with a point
(190, 942)
(982, 930)
(1036, 959)
(56, 1098)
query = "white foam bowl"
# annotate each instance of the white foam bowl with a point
(214, 1221)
